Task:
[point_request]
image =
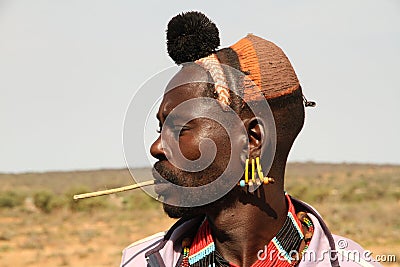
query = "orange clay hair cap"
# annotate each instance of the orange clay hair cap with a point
(192, 37)
(267, 66)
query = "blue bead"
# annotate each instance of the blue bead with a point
(242, 183)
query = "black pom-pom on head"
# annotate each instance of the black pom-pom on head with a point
(191, 36)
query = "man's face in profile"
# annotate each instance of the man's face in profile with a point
(188, 136)
(184, 126)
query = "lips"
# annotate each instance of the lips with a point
(162, 186)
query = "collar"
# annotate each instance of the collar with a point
(202, 250)
(180, 229)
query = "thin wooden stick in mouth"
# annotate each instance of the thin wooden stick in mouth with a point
(114, 190)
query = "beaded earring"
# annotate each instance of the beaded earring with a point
(261, 178)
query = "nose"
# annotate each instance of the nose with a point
(157, 150)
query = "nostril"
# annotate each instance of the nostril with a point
(156, 149)
(161, 157)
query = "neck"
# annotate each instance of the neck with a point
(249, 224)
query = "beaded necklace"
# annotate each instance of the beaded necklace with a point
(201, 251)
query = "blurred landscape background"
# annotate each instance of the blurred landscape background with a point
(40, 224)
(69, 70)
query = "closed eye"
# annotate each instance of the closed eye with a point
(159, 128)
(175, 128)
(179, 129)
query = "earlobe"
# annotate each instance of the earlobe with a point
(256, 135)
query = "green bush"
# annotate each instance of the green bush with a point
(46, 201)
(362, 190)
(140, 201)
(309, 193)
(10, 199)
(297, 191)
(396, 195)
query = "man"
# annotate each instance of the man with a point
(228, 121)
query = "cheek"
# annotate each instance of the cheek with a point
(223, 149)
(221, 139)
(189, 146)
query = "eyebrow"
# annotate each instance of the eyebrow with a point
(173, 117)
(163, 115)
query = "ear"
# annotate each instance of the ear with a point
(256, 133)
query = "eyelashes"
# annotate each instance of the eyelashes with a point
(159, 128)
(175, 129)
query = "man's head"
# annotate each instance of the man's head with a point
(201, 132)
(267, 75)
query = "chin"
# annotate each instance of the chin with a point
(182, 212)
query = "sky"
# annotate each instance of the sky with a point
(69, 69)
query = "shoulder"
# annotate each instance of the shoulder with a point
(162, 247)
(327, 249)
(349, 251)
(146, 240)
(134, 254)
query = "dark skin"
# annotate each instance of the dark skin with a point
(251, 220)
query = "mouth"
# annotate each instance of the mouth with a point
(162, 187)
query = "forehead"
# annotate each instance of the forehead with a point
(190, 73)
(180, 95)
(189, 83)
